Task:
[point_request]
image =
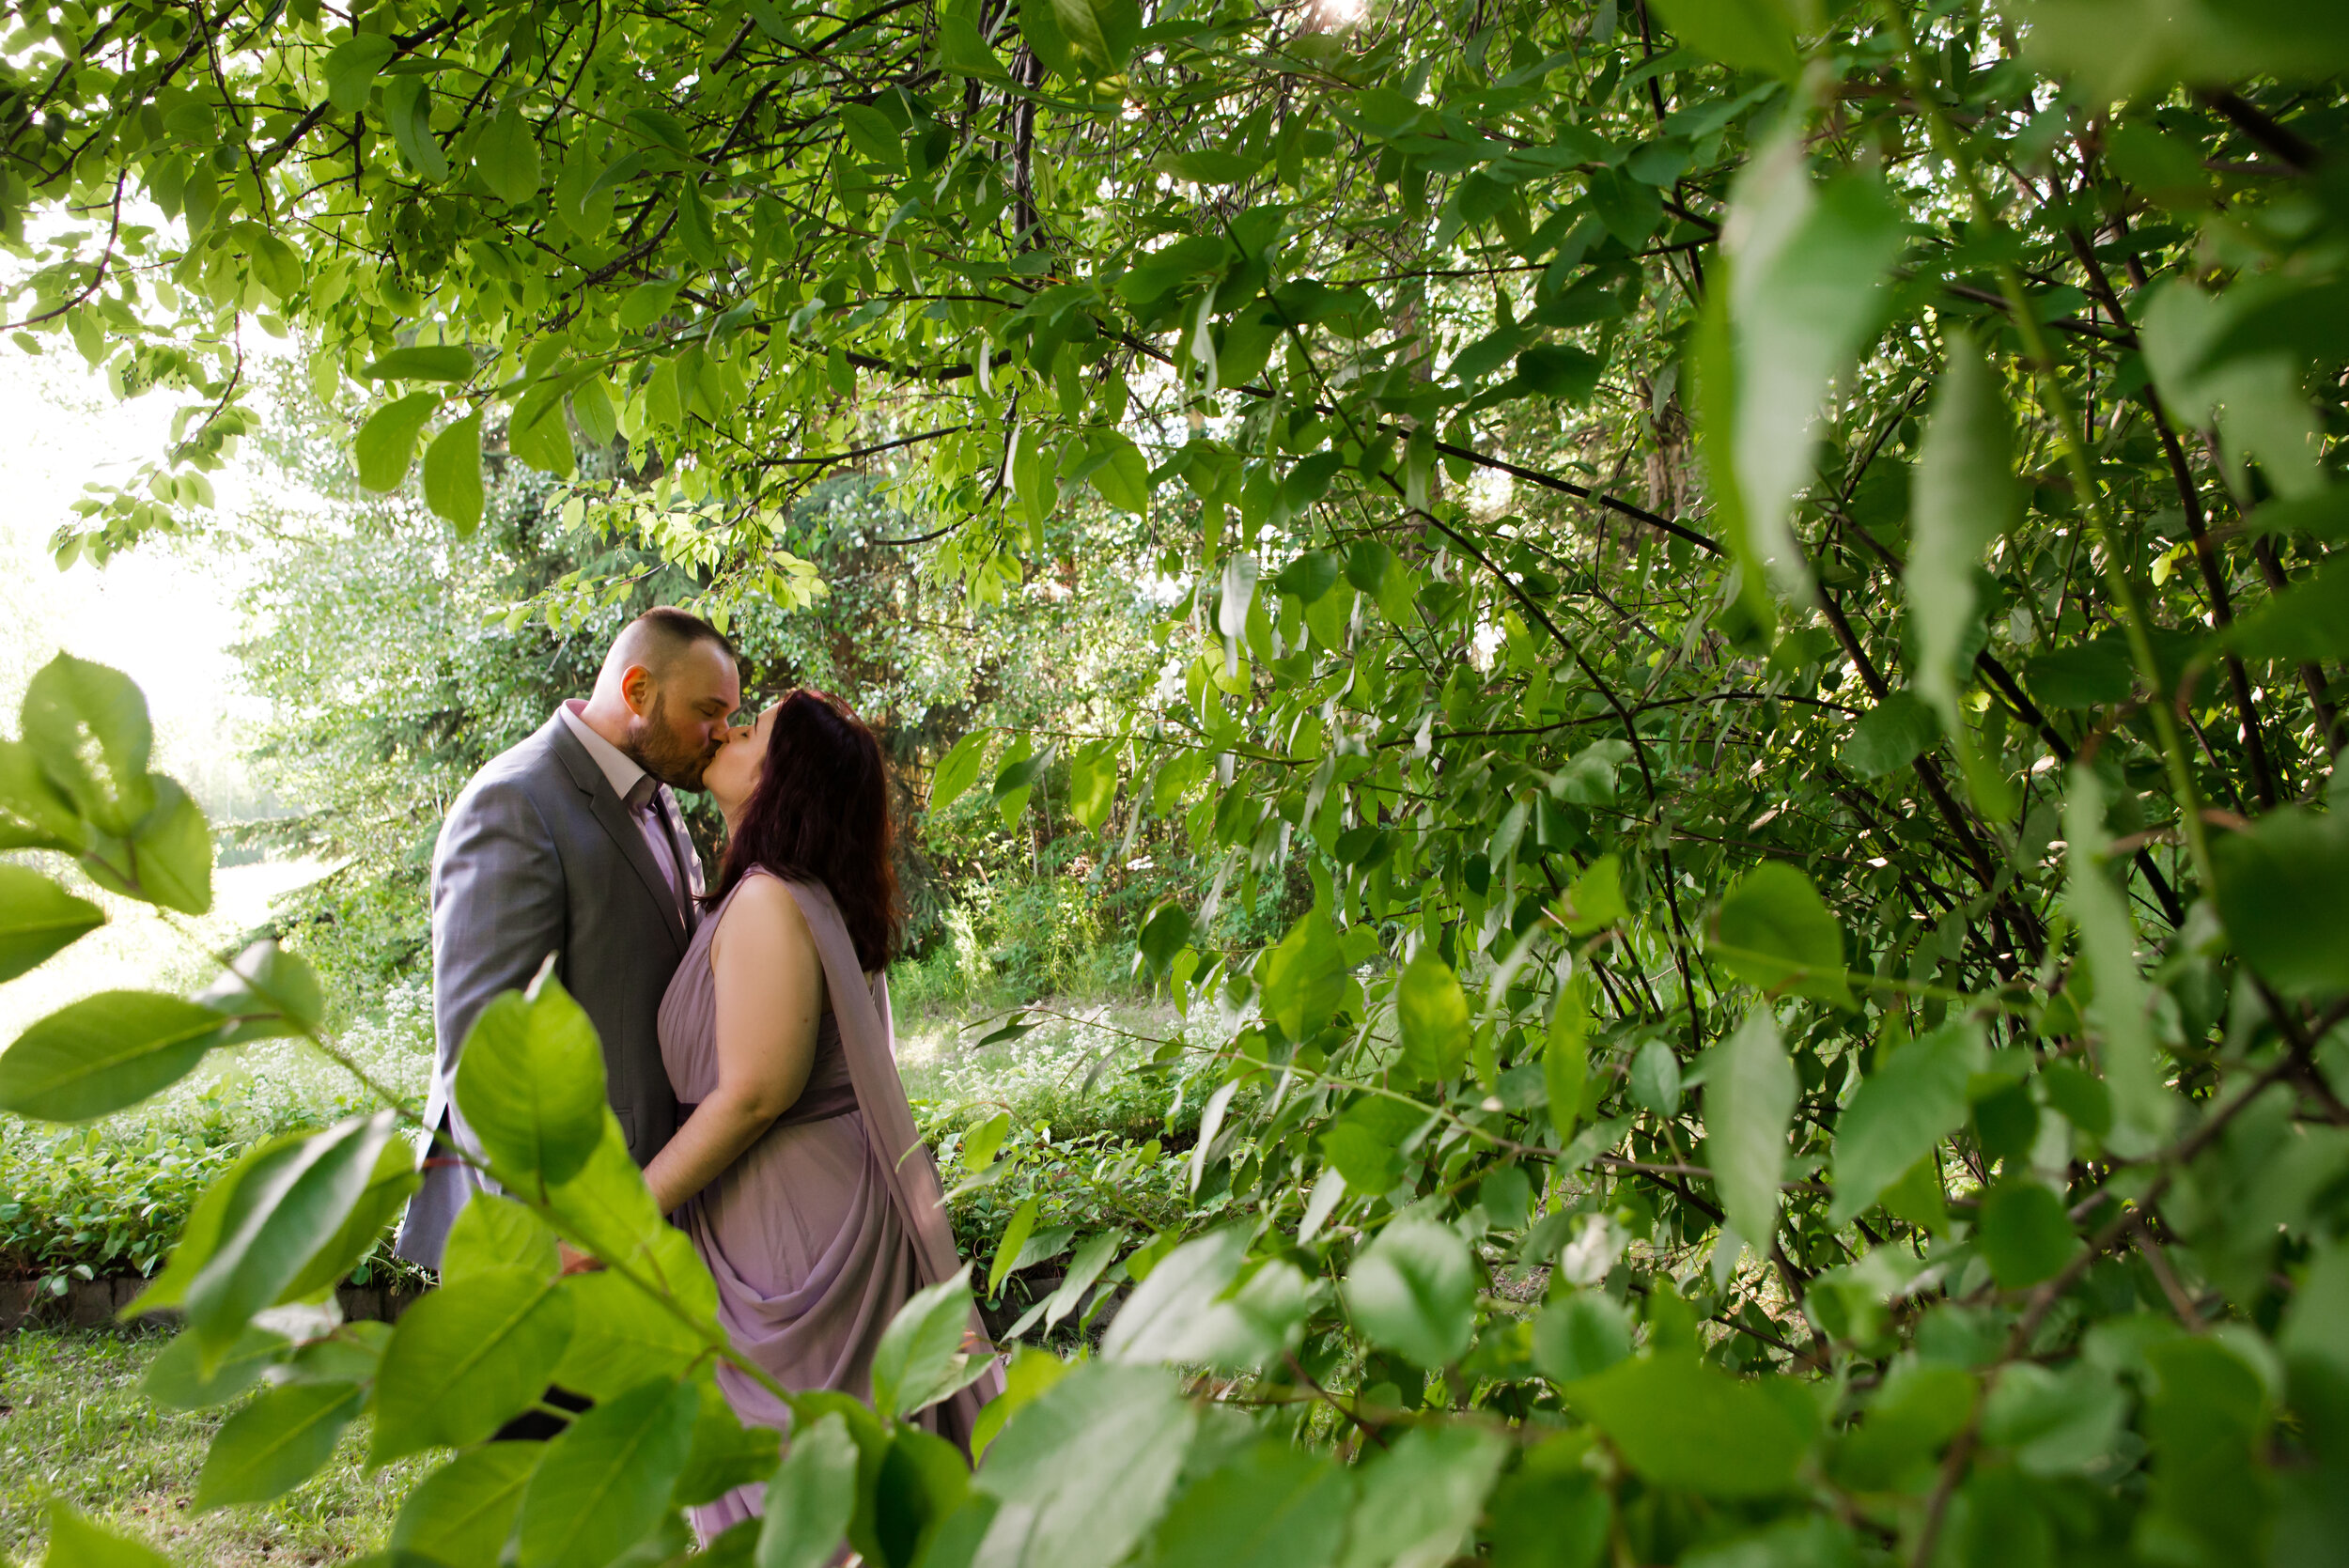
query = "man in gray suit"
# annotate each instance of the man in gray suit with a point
(570, 843)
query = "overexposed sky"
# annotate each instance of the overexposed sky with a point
(163, 615)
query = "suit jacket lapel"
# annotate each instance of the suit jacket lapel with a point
(610, 812)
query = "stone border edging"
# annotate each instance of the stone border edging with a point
(93, 1303)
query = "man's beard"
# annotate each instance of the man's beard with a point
(653, 747)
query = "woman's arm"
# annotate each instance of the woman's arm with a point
(770, 999)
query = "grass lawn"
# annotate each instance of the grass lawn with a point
(73, 1424)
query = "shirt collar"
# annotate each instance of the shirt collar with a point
(619, 770)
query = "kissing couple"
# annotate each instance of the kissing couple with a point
(747, 1045)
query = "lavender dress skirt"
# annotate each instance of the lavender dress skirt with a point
(820, 1230)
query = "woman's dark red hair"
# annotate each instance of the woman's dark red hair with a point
(820, 814)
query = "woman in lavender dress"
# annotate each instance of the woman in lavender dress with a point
(797, 1170)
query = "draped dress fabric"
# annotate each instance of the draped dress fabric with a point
(824, 1227)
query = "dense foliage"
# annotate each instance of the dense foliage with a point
(1871, 921)
(398, 655)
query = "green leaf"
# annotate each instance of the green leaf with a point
(1184, 1311)
(726, 1454)
(2024, 1232)
(1434, 1018)
(1413, 1290)
(1680, 1424)
(88, 726)
(2283, 894)
(1888, 737)
(811, 1497)
(530, 1082)
(465, 1359)
(408, 114)
(1630, 209)
(2143, 1109)
(1272, 1506)
(168, 860)
(2207, 1419)
(963, 51)
(919, 1357)
(38, 918)
(693, 227)
(1304, 977)
(272, 263)
(1421, 1498)
(1596, 900)
(621, 1336)
(177, 1379)
(506, 154)
(874, 136)
(1166, 933)
(2055, 1422)
(1775, 931)
(1655, 1079)
(1365, 1145)
(1093, 783)
(351, 67)
(539, 434)
(1749, 35)
(387, 444)
(591, 406)
(1085, 1266)
(607, 1209)
(275, 1443)
(103, 1053)
(2308, 621)
(1015, 1236)
(2096, 673)
(1095, 36)
(1749, 1106)
(265, 1220)
(648, 302)
(452, 474)
(2121, 48)
(1900, 1113)
(957, 770)
(75, 1543)
(1123, 479)
(1565, 1056)
(1085, 1470)
(1550, 1512)
(435, 361)
(981, 1141)
(36, 813)
(267, 993)
(389, 1186)
(604, 1483)
(1580, 1336)
(1806, 264)
(1560, 371)
(464, 1511)
(1965, 498)
(1212, 166)
(493, 1233)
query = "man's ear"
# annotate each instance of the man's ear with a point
(636, 689)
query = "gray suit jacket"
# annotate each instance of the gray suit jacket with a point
(539, 856)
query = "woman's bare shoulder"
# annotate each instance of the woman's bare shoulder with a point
(763, 909)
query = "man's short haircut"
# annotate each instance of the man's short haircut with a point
(655, 638)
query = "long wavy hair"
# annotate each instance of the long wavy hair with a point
(820, 814)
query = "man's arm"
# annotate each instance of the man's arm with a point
(498, 907)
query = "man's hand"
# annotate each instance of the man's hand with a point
(575, 1261)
